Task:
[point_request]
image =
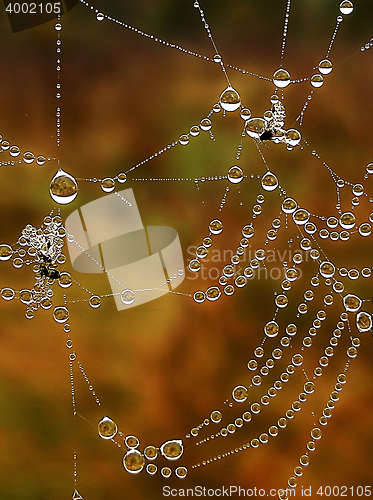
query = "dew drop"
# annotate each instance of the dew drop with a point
(317, 80)
(255, 127)
(127, 297)
(346, 7)
(269, 181)
(108, 185)
(325, 67)
(235, 174)
(60, 314)
(133, 461)
(6, 252)
(94, 301)
(63, 187)
(107, 428)
(172, 450)
(281, 78)
(230, 99)
(216, 226)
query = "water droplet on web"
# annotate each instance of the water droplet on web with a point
(289, 205)
(269, 181)
(134, 461)
(235, 174)
(255, 127)
(271, 329)
(100, 16)
(194, 130)
(293, 137)
(347, 220)
(213, 293)
(60, 314)
(346, 7)
(194, 265)
(281, 78)
(58, 26)
(369, 168)
(7, 293)
(217, 58)
(151, 452)
(216, 416)
(352, 303)
(107, 428)
(181, 472)
(121, 178)
(245, 114)
(216, 226)
(6, 252)
(363, 321)
(151, 469)
(63, 188)
(184, 139)
(365, 229)
(325, 67)
(28, 157)
(132, 442)
(94, 301)
(127, 297)
(14, 151)
(172, 450)
(108, 185)
(317, 80)
(65, 280)
(230, 99)
(239, 393)
(205, 124)
(301, 216)
(166, 471)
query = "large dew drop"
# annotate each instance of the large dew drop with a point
(325, 67)
(301, 216)
(63, 188)
(216, 226)
(289, 206)
(317, 80)
(347, 220)
(107, 428)
(133, 461)
(363, 321)
(293, 137)
(230, 99)
(346, 7)
(271, 329)
(172, 450)
(213, 293)
(6, 252)
(60, 314)
(239, 393)
(281, 78)
(269, 182)
(352, 302)
(127, 297)
(235, 174)
(255, 127)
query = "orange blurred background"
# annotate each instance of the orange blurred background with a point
(159, 369)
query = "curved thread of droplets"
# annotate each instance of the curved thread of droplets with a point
(301, 218)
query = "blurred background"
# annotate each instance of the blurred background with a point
(161, 368)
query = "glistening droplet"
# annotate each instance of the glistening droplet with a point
(230, 99)
(63, 188)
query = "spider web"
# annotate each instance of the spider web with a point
(126, 98)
